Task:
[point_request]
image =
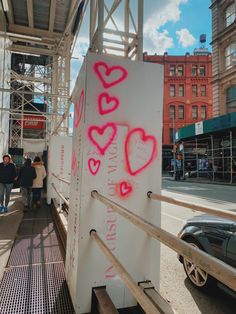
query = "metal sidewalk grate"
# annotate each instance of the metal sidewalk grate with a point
(34, 227)
(35, 250)
(35, 289)
(43, 212)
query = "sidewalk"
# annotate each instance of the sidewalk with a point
(9, 224)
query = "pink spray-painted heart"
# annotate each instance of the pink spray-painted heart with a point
(107, 103)
(102, 136)
(125, 188)
(94, 166)
(110, 76)
(79, 108)
(140, 150)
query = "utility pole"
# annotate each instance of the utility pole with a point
(174, 146)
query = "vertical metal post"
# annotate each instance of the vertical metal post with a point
(99, 38)
(197, 158)
(92, 17)
(54, 91)
(174, 148)
(126, 26)
(140, 30)
(22, 122)
(212, 156)
(231, 156)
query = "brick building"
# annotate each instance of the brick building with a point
(187, 93)
(224, 56)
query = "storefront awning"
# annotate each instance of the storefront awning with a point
(217, 124)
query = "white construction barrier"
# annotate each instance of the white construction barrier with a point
(5, 65)
(59, 161)
(116, 150)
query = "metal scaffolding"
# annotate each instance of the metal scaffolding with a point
(41, 55)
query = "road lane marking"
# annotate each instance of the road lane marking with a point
(173, 217)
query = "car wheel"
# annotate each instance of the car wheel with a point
(197, 276)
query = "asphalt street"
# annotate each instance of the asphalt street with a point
(174, 285)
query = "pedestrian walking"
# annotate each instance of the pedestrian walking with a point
(26, 176)
(38, 181)
(7, 177)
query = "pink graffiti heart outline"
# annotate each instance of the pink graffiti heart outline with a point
(74, 163)
(144, 138)
(108, 99)
(108, 70)
(125, 188)
(94, 165)
(79, 108)
(100, 131)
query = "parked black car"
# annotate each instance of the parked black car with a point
(214, 235)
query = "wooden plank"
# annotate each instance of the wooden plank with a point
(212, 211)
(162, 305)
(102, 302)
(30, 13)
(19, 29)
(212, 265)
(136, 291)
(32, 50)
(10, 15)
(52, 15)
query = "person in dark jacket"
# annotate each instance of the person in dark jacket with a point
(7, 177)
(26, 176)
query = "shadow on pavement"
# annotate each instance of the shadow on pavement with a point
(211, 301)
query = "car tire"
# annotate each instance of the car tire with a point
(198, 277)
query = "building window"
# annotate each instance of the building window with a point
(194, 112)
(171, 135)
(194, 70)
(230, 15)
(231, 98)
(230, 55)
(181, 112)
(194, 90)
(172, 70)
(202, 70)
(203, 112)
(180, 70)
(172, 112)
(203, 90)
(172, 90)
(181, 90)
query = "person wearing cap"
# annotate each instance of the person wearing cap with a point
(26, 176)
(7, 177)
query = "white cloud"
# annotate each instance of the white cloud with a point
(156, 40)
(80, 48)
(185, 38)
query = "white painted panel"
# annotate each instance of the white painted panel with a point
(59, 161)
(5, 65)
(117, 151)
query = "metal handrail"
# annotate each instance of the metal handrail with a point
(137, 292)
(61, 179)
(213, 266)
(216, 212)
(60, 195)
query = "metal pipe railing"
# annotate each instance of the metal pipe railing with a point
(60, 195)
(213, 266)
(137, 292)
(216, 212)
(61, 179)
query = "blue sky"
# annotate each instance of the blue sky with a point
(175, 26)
(169, 25)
